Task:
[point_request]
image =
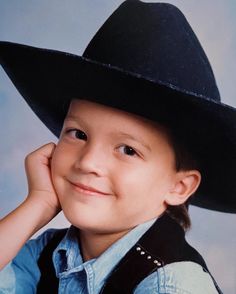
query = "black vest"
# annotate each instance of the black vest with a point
(162, 244)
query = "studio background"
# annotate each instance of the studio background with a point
(68, 26)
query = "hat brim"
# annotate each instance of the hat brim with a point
(49, 79)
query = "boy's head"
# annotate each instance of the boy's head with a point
(129, 159)
(145, 60)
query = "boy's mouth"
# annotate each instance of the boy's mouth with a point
(86, 189)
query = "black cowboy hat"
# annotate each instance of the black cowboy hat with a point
(146, 60)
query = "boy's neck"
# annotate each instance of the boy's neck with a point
(93, 245)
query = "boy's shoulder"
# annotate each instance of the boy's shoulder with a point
(23, 273)
(178, 277)
(34, 247)
(47, 234)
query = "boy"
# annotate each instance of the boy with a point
(120, 163)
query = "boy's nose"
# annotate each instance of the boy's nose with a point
(92, 159)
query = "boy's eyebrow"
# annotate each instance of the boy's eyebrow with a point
(71, 117)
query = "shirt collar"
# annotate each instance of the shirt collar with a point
(67, 256)
(116, 251)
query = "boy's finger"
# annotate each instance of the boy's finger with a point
(43, 154)
(45, 150)
(48, 149)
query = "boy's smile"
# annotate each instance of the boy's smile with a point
(87, 190)
(111, 170)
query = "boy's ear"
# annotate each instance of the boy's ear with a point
(186, 183)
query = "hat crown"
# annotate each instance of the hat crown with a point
(137, 39)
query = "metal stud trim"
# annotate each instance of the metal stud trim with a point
(141, 251)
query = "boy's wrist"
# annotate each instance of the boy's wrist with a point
(41, 210)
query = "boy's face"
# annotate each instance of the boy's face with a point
(126, 158)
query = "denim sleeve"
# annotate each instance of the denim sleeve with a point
(179, 277)
(7, 280)
(22, 274)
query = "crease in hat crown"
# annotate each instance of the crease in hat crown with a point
(149, 48)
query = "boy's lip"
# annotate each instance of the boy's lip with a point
(87, 188)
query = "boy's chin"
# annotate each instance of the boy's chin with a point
(95, 225)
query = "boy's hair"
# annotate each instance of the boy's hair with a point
(184, 160)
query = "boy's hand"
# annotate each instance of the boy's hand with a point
(38, 171)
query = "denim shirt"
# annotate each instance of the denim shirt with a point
(75, 276)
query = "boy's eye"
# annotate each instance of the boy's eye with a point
(127, 150)
(78, 134)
